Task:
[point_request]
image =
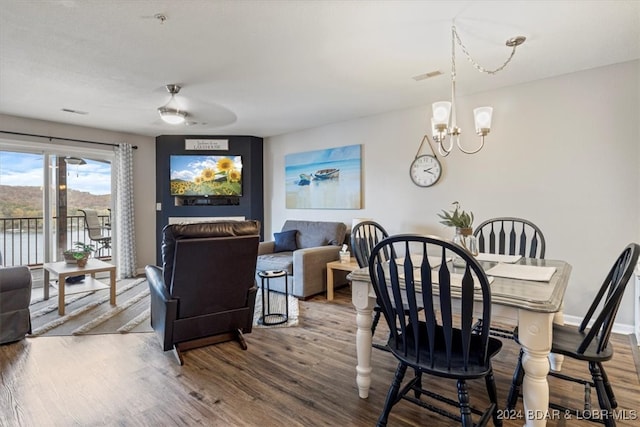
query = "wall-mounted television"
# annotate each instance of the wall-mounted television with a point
(206, 175)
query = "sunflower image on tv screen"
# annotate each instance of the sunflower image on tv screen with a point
(206, 175)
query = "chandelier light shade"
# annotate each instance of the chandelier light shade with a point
(482, 118)
(444, 127)
(171, 112)
(441, 113)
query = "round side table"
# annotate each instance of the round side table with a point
(267, 315)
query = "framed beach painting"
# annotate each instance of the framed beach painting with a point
(324, 179)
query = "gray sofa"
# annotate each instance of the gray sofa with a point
(305, 258)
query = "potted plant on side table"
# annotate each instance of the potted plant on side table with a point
(79, 255)
(463, 222)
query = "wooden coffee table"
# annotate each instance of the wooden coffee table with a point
(337, 265)
(64, 270)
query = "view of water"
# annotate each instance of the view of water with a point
(28, 248)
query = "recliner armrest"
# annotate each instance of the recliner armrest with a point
(12, 278)
(156, 280)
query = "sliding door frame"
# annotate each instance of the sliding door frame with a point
(48, 149)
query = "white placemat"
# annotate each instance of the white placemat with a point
(522, 272)
(434, 261)
(456, 279)
(507, 259)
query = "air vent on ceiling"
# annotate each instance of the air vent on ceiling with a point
(427, 75)
(69, 110)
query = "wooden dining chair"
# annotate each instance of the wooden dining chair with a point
(510, 236)
(590, 341)
(364, 237)
(439, 342)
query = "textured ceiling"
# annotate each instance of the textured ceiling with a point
(270, 67)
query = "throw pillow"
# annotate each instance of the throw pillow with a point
(285, 241)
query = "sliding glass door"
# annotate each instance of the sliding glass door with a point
(44, 195)
(21, 198)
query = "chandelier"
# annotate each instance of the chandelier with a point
(444, 125)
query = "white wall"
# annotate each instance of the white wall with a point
(144, 170)
(563, 152)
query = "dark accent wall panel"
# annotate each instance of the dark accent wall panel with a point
(250, 204)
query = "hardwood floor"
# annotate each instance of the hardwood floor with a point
(300, 376)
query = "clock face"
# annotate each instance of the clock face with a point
(425, 170)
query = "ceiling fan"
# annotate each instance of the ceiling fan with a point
(175, 113)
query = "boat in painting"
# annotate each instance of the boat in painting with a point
(323, 174)
(304, 179)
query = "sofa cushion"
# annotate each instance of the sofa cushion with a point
(316, 233)
(276, 261)
(285, 241)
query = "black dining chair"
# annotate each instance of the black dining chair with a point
(439, 342)
(510, 236)
(590, 342)
(364, 236)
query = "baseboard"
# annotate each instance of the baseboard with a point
(618, 328)
(635, 353)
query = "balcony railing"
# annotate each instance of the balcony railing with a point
(22, 240)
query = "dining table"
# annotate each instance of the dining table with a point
(526, 292)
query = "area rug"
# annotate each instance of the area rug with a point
(276, 305)
(90, 313)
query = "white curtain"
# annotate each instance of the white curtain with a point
(124, 215)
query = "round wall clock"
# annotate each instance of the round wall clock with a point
(425, 170)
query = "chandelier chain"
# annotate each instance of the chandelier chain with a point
(474, 63)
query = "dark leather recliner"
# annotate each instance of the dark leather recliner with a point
(15, 297)
(205, 292)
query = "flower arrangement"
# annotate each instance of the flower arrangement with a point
(457, 217)
(463, 222)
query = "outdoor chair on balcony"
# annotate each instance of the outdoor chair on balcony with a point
(95, 230)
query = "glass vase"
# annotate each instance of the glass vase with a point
(464, 237)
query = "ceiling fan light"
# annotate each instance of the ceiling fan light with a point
(74, 161)
(171, 115)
